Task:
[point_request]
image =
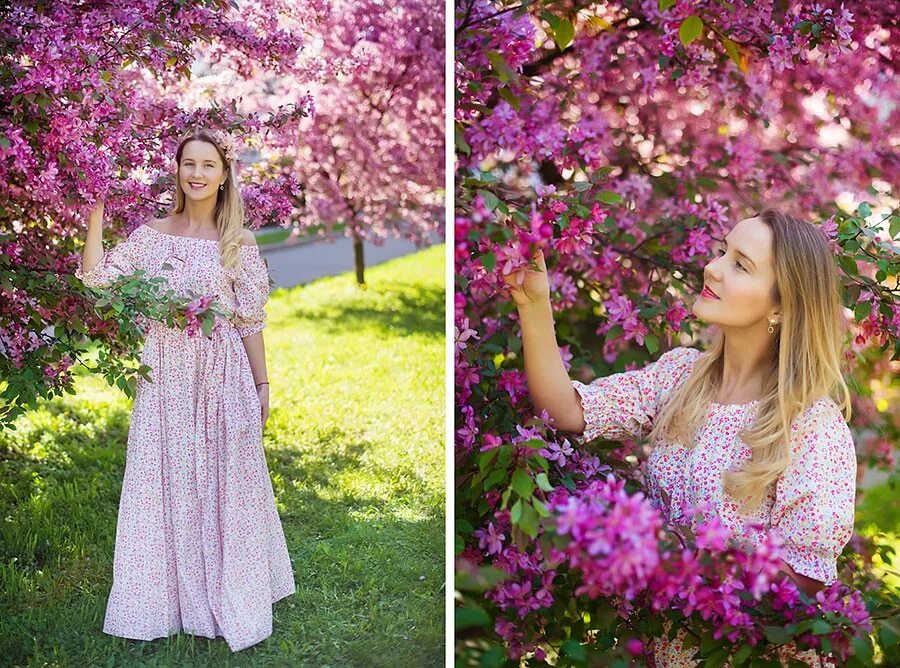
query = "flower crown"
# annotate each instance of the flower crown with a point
(227, 144)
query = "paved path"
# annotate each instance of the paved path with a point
(873, 477)
(304, 262)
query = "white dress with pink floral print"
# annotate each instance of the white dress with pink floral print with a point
(199, 543)
(812, 504)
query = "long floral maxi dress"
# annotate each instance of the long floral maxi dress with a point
(199, 543)
(812, 503)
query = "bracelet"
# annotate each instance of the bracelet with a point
(265, 382)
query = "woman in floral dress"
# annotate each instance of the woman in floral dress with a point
(756, 425)
(199, 543)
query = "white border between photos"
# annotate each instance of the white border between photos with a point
(449, 232)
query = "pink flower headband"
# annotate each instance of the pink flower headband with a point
(227, 144)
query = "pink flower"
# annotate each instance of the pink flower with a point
(489, 538)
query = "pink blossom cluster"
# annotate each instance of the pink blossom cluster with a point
(617, 547)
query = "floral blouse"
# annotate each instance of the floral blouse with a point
(194, 269)
(813, 502)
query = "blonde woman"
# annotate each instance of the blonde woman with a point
(199, 544)
(755, 425)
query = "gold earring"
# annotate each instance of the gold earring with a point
(771, 329)
(222, 185)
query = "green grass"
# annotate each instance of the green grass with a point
(878, 515)
(355, 447)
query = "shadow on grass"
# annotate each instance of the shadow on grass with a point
(403, 311)
(369, 583)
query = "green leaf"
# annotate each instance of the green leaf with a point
(495, 657)
(652, 343)
(490, 199)
(848, 264)
(522, 483)
(529, 521)
(574, 650)
(508, 95)
(561, 29)
(504, 72)
(515, 513)
(861, 310)
(665, 4)
(864, 210)
(543, 482)
(563, 34)
(488, 260)
(539, 506)
(469, 617)
(821, 627)
(895, 227)
(207, 325)
(609, 197)
(495, 477)
(732, 50)
(741, 655)
(777, 635)
(718, 658)
(690, 29)
(461, 143)
(4, 141)
(862, 649)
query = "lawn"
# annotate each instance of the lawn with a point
(355, 449)
(878, 515)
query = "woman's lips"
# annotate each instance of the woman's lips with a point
(707, 293)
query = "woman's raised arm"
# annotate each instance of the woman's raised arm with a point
(93, 244)
(548, 381)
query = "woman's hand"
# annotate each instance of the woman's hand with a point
(263, 392)
(97, 213)
(529, 287)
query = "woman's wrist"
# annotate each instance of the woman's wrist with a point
(540, 312)
(262, 382)
(539, 305)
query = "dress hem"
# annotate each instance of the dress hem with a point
(280, 594)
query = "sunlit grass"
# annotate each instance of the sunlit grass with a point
(879, 516)
(355, 449)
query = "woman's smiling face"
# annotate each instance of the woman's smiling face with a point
(742, 277)
(201, 165)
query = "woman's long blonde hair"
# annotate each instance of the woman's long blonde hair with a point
(805, 364)
(229, 211)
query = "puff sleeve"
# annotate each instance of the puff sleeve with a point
(251, 290)
(625, 404)
(120, 260)
(815, 497)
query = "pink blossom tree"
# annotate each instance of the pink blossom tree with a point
(624, 138)
(94, 102)
(372, 158)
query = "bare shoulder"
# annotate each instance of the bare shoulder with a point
(248, 238)
(159, 224)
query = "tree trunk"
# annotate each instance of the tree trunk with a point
(358, 261)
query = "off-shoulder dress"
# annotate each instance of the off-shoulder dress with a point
(199, 543)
